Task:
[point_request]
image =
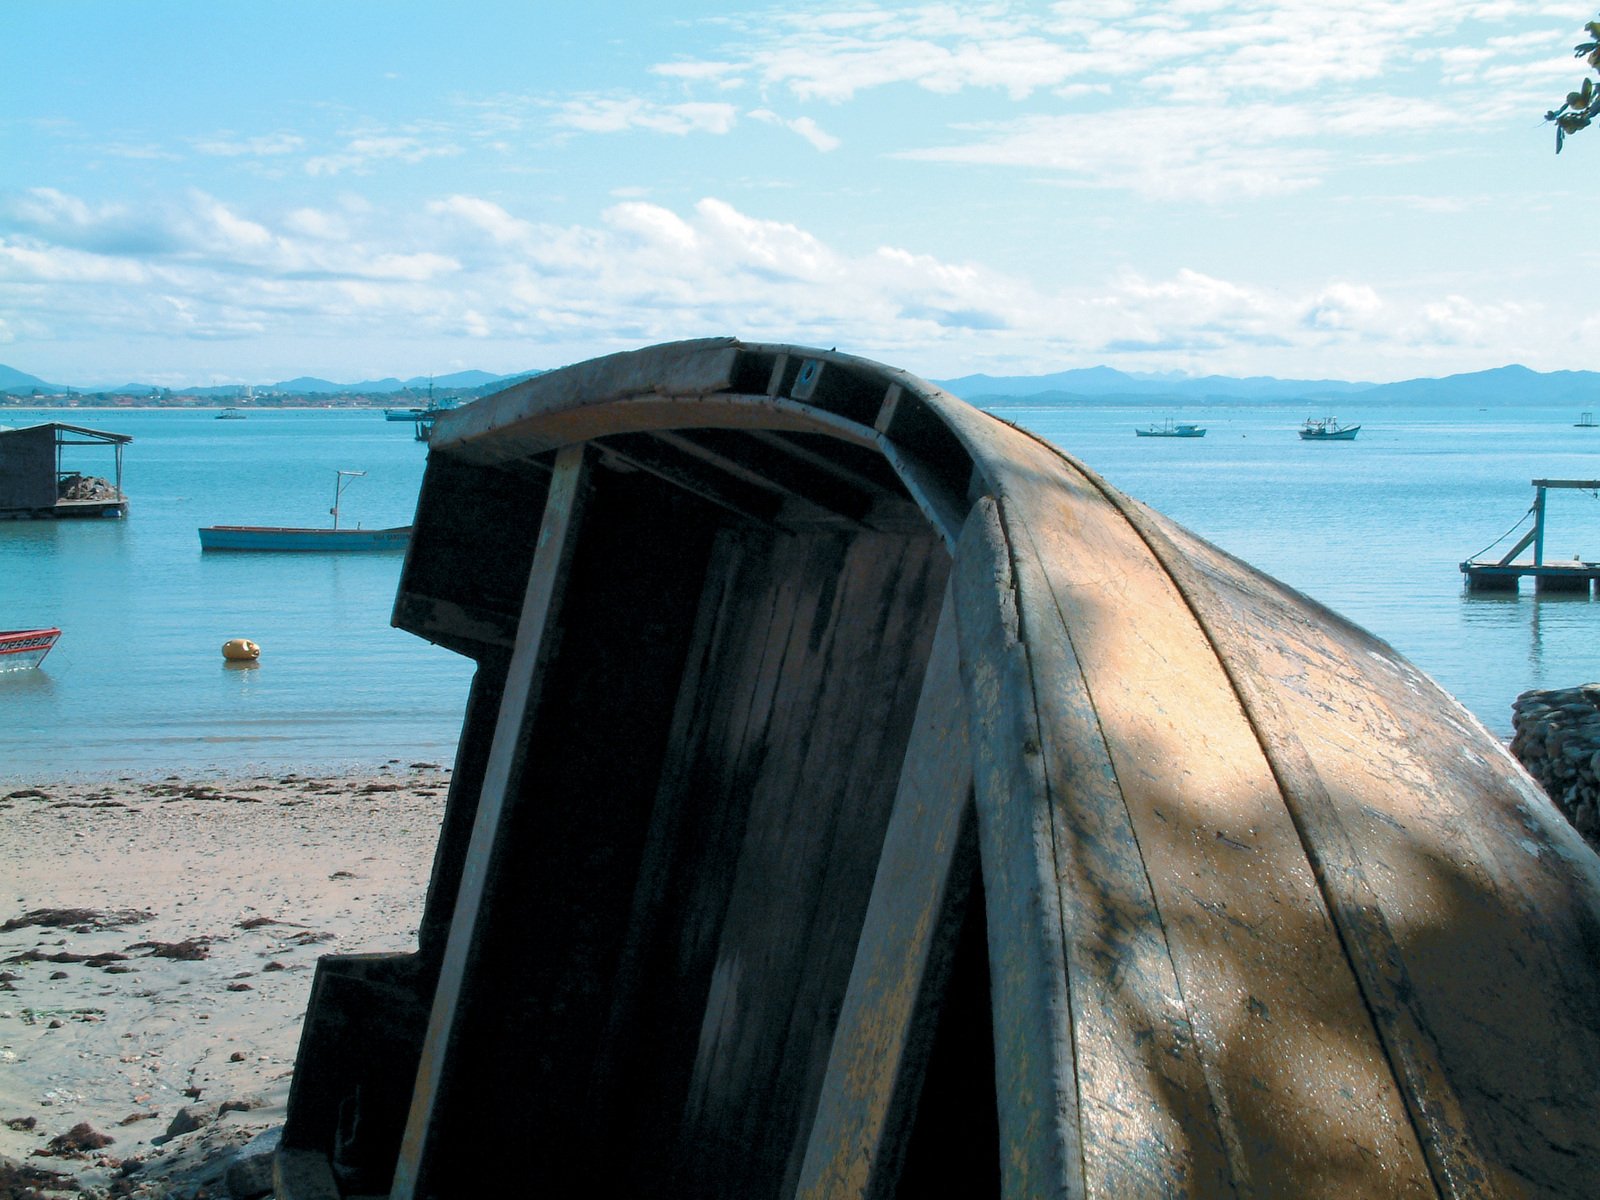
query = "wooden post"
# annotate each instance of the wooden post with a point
(552, 557)
(1538, 526)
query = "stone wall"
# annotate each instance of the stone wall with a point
(1557, 738)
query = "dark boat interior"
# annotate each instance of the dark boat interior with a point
(736, 628)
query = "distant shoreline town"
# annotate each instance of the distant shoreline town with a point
(20, 390)
(1500, 386)
(178, 399)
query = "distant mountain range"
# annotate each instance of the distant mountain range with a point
(1094, 385)
(1107, 381)
(1098, 385)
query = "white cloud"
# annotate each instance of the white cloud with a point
(467, 267)
(228, 145)
(61, 264)
(314, 223)
(140, 152)
(485, 216)
(1459, 321)
(1251, 98)
(819, 138)
(652, 224)
(1344, 306)
(719, 74)
(619, 114)
(364, 152)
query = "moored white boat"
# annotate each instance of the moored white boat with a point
(1328, 429)
(1169, 429)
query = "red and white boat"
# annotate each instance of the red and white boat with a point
(21, 649)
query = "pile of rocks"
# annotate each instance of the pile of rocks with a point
(86, 487)
(1557, 738)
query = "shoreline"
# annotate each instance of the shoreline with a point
(158, 940)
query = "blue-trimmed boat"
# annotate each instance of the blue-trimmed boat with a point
(289, 538)
(268, 537)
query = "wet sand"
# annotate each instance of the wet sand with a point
(157, 941)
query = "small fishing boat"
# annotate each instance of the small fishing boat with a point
(24, 649)
(270, 537)
(289, 538)
(1585, 421)
(403, 414)
(1169, 429)
(1328, 429)
(230, 414)
(858, 796)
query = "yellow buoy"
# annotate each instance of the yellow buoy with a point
(240, 650)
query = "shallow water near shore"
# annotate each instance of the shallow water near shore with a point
(1372, 528)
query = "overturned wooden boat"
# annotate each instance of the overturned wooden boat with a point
(858, 797)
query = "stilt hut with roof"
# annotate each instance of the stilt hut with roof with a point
(43, 473)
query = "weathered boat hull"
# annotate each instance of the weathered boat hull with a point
(341, 541)
(859, 797)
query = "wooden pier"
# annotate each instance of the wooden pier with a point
(1577, 576)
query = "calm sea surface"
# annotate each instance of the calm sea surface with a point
(137, 684)
(1373, 528)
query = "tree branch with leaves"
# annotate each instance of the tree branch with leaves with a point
(1583, 105)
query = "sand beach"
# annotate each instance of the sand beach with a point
(157, 944)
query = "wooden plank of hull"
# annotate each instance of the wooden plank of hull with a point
(1148, 1121)
(1423, 818)
(1040, 1150)
(1265, 977)
(1468, 901)
(879, 1045)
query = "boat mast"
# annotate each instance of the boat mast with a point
(338, 490)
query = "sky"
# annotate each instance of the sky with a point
(201, 193)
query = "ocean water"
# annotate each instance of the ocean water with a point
(1373, 528)
(137, 684)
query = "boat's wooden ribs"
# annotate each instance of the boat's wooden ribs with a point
(777, 468)
(859, 470)
(733, 493)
